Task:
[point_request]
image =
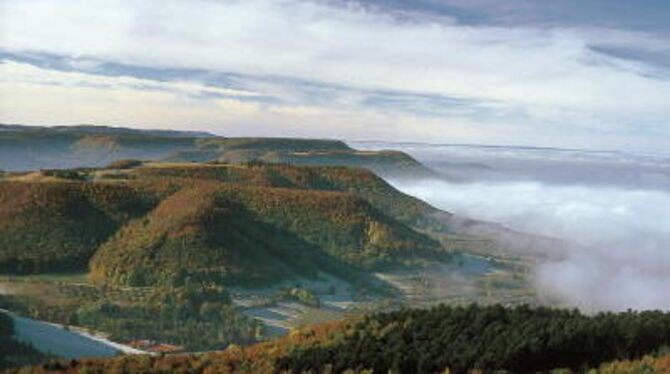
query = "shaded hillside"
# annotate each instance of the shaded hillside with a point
(227, 233)
(491, 339)
(57, 226)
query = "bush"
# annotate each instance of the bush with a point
(125, 164)
(65, 174)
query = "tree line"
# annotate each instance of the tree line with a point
(522, 339)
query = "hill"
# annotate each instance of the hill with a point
(387, 163)
(58, 225)
(361, 182)
(308, 152)
(30, 147)
(321, 218)
(50, 149)
(256, 223)
(490, 339)
(455, 232)
(231, 234)
(273, 144)
(98, 129)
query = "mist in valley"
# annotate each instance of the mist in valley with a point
(610, 208)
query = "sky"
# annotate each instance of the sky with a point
(562, 73)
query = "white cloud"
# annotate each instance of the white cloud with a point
(619, 259)
(41, 96)
(13, 72)
(549, 75)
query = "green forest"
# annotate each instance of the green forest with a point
(520, 340)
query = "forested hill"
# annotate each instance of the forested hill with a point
(442, 339)
(248, 223)
(233, 234)
(28, 148)
(361, 182)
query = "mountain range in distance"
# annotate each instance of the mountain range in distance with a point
(25, 148)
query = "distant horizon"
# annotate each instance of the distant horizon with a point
(409, 142)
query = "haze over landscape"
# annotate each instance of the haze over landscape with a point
(355, 186)
(611, 207)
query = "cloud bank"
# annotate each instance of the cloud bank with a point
(620, 259)
(619, 252)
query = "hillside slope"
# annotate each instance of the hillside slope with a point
(253, 224)
(361, 182)
(411, 211)
(226, 233)
(57, 226)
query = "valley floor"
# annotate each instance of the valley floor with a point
(466, 279)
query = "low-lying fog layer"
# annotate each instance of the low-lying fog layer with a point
(619, 227)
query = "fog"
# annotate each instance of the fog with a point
(613, 209)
